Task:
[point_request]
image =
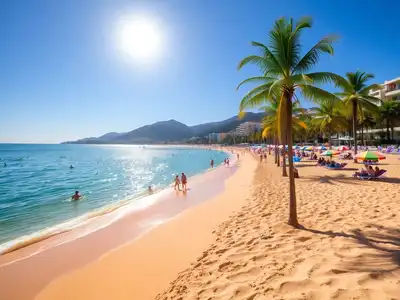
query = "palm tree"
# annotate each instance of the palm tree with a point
(355, 95)
(390, 113)
(270, 123)
(283, 72)
(329, 118)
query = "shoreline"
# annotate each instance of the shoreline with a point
(89, 244)
(103, 216)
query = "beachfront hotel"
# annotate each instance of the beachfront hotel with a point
(390, 90)
(248, 128)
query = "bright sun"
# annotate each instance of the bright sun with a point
(140, 39)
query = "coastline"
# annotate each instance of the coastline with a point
(98, 237)
(102, 216)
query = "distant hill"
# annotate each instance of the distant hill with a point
(168, 131)
(226, 125)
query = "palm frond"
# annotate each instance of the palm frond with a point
(263, 79)
(311, 58)
(272, 64)
(316, 94)
(255, 97)
(371, 87)
(257, 60)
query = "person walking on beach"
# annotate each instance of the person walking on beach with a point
(184, 182)
(177, 183)
(212, 163)
(227, 162)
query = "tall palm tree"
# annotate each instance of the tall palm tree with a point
(355, 95)
(270, 123)
(390, 113)
(329, 118)
(283, 72)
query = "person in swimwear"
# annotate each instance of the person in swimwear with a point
(150, 190)
(177, 183)
(184, 182)
(76, 197)
(212, 163)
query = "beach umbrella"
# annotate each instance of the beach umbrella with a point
(370, 155)
(343, 148)
(330, 153)
(322, 148)
(309, 148)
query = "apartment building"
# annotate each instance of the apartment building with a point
(390, 90)
(248, 128)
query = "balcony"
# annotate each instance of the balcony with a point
(393, 92)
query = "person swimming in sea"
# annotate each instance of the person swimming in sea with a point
(71, 166)
(76, 196)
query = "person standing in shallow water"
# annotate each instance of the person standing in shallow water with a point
(177, 183)
(212, 163)
(184, 182)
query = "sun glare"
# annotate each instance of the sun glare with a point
(140, 39)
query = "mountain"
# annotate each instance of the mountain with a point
(168, 131)
(165, 131)
(226, 125)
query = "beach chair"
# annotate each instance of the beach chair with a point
(337, 167)
(381, 175)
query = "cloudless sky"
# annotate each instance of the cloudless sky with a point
(62, 76)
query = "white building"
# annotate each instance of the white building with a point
(248, 128)
(390, 90)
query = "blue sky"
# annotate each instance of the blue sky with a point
(62, 76)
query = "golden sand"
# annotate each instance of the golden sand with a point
(348, 248)
(238, 246)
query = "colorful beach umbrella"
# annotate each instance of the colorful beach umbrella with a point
(309, 148)
(330, 153)
(322, 148)
(370, 155)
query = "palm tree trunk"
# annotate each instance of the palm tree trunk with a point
(284, 171)
(278, 161)
(355, 129)
(292, 188)
(387, 130)
(362, 134)
(392, 130)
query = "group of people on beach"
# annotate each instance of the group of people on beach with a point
(226, 162)
(182, 181)
(369, 170)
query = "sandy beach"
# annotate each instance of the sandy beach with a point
(237, 245)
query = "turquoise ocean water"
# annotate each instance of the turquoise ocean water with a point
(36, 181)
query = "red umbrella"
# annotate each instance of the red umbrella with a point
(343, 148)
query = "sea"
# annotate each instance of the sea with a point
(37, 182)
